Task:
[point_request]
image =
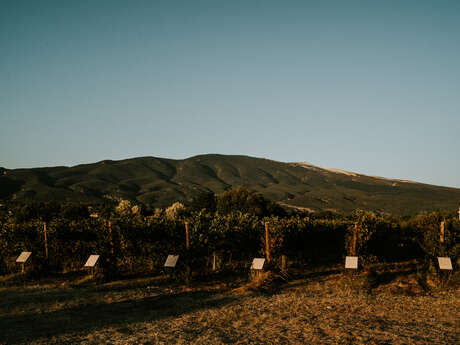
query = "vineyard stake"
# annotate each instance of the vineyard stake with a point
(441, 236)
(187, 236)
(267, 243)
(46, 240)
(112, 250)
(355, 239)
(283, 263)
(188, 272)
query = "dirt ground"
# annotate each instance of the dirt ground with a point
(321, 307)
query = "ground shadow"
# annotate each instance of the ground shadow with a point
(21, 328)
(22, 298)
(301, 278)
(379, 276)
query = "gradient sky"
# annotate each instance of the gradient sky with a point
(366, 86)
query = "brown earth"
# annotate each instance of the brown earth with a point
(328, 306)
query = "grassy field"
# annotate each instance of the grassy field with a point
(325, 306)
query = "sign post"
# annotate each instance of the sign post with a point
(351, 262)
(257, 267)
(445, 263)
(171, 261)
(170, 264)
(91, 262)
(258, 264)
(22, 258)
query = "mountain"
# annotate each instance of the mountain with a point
(160, 182)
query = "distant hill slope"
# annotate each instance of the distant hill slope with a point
(160, 182)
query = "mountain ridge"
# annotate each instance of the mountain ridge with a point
(162, 181)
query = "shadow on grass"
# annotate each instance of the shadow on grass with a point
(79, 286)
(85, 318)
(379, 276)
(28, 296)
(302, 278)
(32, 279)
(376, 279)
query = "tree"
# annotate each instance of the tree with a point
(74, 212)
(175, 211)
(124, 207)
(204, 200)
(247, 201)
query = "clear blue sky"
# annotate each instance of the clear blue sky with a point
(367, 86)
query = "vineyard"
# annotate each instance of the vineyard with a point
(136, 244)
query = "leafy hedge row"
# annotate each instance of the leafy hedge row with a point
(136, 244)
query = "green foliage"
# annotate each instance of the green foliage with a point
(131, 243)
(381, 239)
(359, 234)
(75, 212)
(427, 235)
(244, 200)
(204, 201)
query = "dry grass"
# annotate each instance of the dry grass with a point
(323, 307)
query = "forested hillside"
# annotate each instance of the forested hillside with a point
(159, 182)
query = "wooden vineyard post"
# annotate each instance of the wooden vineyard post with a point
(111, 238)
(214, 263)
(283, 263)
(109, 264)
(351, 260)
(188, 272)
(355, 239)
(441, 236)
(187, 236)
(267, 243)
(444, 262)
(46, 240)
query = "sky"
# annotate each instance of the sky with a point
(366, 86)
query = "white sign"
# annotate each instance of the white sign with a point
(92, 260)
(171, 260)
(23, 257)
(351, 262)
(445, 263)
(257, 264)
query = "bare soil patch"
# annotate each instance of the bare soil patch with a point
(318, 307)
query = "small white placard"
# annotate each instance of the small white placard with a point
(23, 257)
(92, 260)
(257, 264)
(445, 263)
(171, 260)
(351, 262)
